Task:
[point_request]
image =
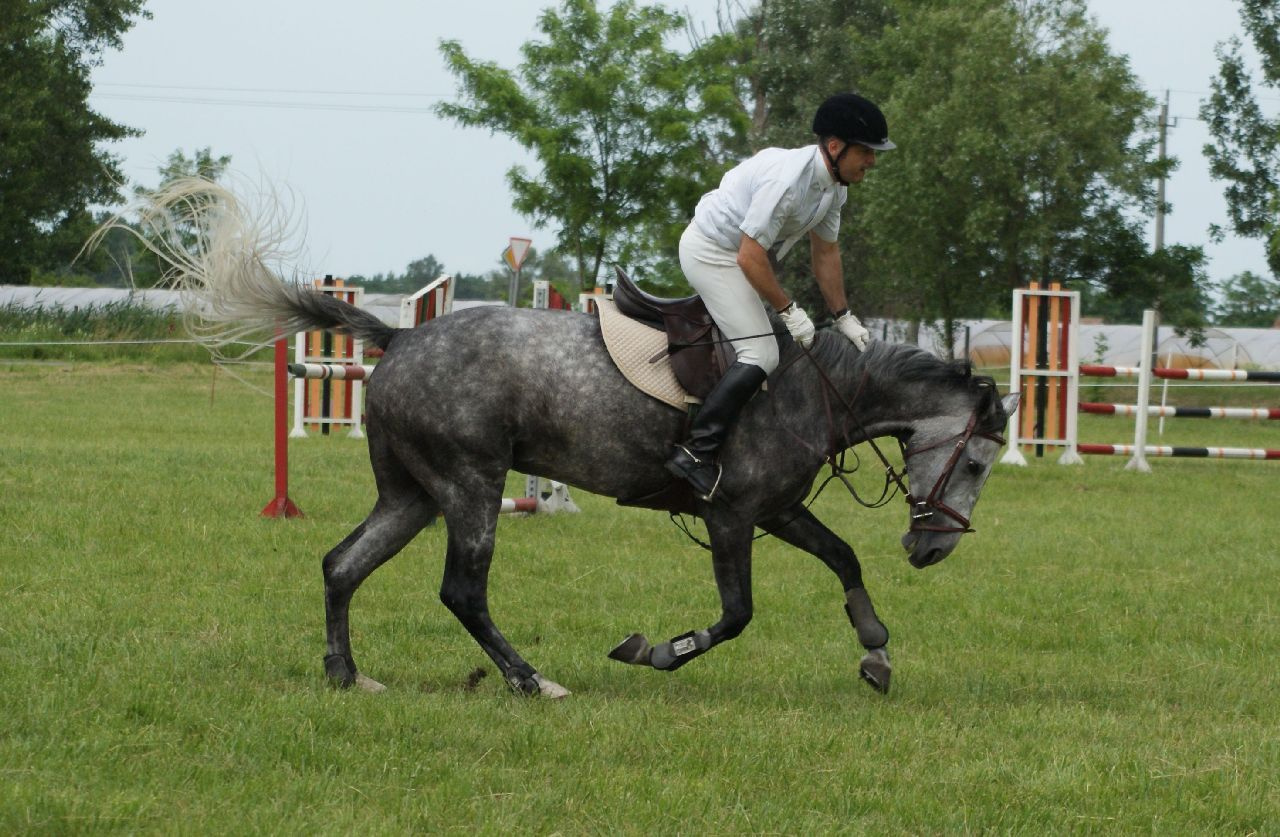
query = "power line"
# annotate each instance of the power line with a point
(263, 103)
(272, 90)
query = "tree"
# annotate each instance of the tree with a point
(1249, 301)
(1025, 149)
(1018, 132)
(794, 53)
(1246, 150)
(628, 133)
(51, 166)
(201, 163)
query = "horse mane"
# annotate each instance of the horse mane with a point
(907, 364)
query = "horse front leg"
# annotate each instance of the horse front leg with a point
(797, 526)
(731, 561)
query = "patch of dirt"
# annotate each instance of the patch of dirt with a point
(474, 678)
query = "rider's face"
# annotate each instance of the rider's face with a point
(857, 161)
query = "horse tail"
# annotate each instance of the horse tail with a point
(227, 261)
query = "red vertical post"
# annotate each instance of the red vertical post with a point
(281, 505)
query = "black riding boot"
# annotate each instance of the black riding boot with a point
(695, 460)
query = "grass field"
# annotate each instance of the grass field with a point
(1099, 657)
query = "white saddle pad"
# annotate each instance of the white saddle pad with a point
(633, 345)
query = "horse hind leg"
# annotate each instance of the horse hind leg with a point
(391, 525)
(464, 590)
(731, 561)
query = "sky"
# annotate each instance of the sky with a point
(333, 103)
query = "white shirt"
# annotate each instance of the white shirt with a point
(776, 197)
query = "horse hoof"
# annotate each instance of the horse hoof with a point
(340, 671)
(634, 650)
(369, 685)
(875, 669)
(550, 688)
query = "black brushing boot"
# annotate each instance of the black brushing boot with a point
(695, 460)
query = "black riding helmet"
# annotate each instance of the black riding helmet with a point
(852, 118)
(849, 117)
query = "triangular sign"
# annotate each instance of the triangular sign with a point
(518, 249)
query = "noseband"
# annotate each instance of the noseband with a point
(922, 511)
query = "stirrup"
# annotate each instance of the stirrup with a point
(693, 473)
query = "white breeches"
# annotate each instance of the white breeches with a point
(735, 306)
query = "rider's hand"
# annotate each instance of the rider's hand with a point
(799, 324)
(853, 330)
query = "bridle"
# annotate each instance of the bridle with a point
(922, 511)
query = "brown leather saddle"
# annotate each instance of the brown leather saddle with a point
(698, 352)
(699, 356)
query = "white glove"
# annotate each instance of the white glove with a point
(799, 324)
(853, 330)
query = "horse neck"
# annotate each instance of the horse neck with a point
(883, 402)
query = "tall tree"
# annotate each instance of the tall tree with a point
(627, 132)
(1250, 301)
(1246, 148)
(795, 53)
(1018, 131)
(1025, 149)
(51, 165)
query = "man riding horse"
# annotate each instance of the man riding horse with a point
(760, 210)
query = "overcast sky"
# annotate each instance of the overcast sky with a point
(333, 100)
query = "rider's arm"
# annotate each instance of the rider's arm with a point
(829, 272)
(755, 264)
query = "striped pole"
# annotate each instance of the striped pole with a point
(526, 505)
(1167, 451)
(1271, 413)
(331, 371)
(1182, 374)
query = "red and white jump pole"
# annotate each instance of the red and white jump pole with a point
(1163, 411)
(1174, 451)
(1182, 374)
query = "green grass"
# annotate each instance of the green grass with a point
(123, 331)
(1098, 657)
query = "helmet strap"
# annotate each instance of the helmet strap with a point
(834, 162)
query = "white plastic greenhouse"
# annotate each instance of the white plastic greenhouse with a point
(1112, 345)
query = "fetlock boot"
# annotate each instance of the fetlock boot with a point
(696, 459)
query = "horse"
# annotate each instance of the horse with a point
(458, 402)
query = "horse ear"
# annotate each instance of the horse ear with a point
(1010, 402)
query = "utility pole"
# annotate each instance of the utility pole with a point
(1165, 125)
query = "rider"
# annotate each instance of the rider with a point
(760, 210)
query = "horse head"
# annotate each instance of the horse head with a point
(947, 459)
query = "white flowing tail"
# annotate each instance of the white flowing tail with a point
(225, 259)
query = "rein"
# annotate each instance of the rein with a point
(922, 511)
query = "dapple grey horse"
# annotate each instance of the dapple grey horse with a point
(457, 403)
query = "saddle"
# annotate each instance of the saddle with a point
(697, 351)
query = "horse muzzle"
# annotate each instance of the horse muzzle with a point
(923, 551)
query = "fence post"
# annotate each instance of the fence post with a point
(281, 505)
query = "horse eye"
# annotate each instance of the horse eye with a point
(974, 467)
